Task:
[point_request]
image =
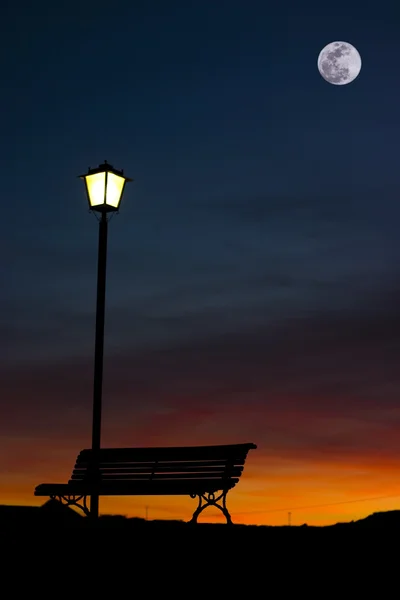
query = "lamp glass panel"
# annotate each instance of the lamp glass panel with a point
(95, 185)
(115, 186)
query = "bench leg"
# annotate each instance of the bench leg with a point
(209, 499)
(71, 500)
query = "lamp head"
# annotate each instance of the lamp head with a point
(104, 187)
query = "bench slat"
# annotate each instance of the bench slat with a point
(237, 452)
(157, 476)
(162, 464)
(161, 469)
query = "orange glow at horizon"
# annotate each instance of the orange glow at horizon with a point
(324, 460)
(314, 493)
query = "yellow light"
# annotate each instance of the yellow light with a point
(96, 188)
(115, 186)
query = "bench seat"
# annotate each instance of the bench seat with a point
(200, 471)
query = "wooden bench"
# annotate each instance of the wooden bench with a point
(206, 472)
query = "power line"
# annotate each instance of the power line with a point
(318, 505)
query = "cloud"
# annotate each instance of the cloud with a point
(182, 269)
(326, 385)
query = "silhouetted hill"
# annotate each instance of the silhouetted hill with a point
(50, 513)
(55, 514)
(389, 519)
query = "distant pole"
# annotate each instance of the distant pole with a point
(289, 518)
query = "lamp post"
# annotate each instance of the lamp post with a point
(104, 188)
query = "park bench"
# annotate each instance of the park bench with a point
(206, 472)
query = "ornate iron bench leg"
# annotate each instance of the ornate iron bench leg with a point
(209, 499)
(71, 500)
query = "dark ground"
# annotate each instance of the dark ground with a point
(54, 550)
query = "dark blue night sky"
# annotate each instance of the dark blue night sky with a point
(253, 281)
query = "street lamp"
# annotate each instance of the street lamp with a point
(104, 188)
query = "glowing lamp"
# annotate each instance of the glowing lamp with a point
(104, 187)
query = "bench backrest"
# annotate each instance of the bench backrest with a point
(144, 464)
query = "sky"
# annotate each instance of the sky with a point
(253, 289)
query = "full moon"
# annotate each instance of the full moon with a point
(339, 63)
